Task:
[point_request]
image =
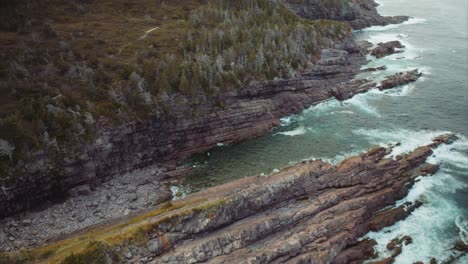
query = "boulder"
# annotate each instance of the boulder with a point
(399, 79)
(387, 48)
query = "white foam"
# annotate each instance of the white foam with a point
(426, 226)
(451, 154)
(414, 21)
(360, 102)
(409, 140)
(462, 226)
(442, 181)
(179, 192)
(399, 91)
(342, 156)
(295, 132)
(343, 112)
(430, 225)
(411, 21)
(323, 107)
(285, 121)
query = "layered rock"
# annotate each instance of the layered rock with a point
(308, 212)
(229, 118)
(399, 79)
(188, 128)
(387, 48)
(359, 13)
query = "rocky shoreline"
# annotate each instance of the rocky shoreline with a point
(251, 114)
(359, 13)
(296, 215)
(228, 118)
(88, 205)
(245, 114)
(309, 211)
(138, 160)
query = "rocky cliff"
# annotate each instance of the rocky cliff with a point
(310, 212)
(358, 13)
(243, 115)
(228, 118)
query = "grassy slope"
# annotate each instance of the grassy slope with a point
(79, 247)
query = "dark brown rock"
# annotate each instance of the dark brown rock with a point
(380, 68)
(445, 139)
(358, 253)
(400, 79)
(387, 48)
(396, 252)
(460, 246)
(407, 240)
(429, 169)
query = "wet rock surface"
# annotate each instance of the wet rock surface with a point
(373, 69)
(357, 253)
(400, 79)
(387, 48)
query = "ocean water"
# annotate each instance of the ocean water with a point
(436, 41)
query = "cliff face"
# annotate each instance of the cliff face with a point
(236, 116)
(311, 211)
(359, 13)
(246, 114)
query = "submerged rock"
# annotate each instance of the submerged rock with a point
(373, 69)
(460, 246)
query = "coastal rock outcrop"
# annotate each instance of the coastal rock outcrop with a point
(359, 13)
(229, 118)
(387, 48)
(309, 211)
(400, 79)
(190, 128)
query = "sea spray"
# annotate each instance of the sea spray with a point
(462, 226)
(295, 132)
(439, 214)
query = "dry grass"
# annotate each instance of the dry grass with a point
(132, 230)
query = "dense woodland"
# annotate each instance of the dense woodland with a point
(68, 67)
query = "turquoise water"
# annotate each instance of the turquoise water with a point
(436, 41)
